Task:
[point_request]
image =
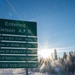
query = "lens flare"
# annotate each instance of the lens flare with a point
(45, 53)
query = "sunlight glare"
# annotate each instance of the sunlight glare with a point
(45, 53)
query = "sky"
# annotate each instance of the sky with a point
(55, 20)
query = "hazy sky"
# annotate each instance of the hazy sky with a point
(55, 20)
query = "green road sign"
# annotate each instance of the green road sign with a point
(18, 51)
(17, 58)
(12, 44)
(18, 64)
(18, 38)
(18, 27)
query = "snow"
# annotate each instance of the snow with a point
(19, 72)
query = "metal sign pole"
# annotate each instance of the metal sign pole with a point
(0, 41)
(26, 71)
(27, 55)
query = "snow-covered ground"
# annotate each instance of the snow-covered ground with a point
(19, 72)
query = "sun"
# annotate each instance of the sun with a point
(45, 53)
